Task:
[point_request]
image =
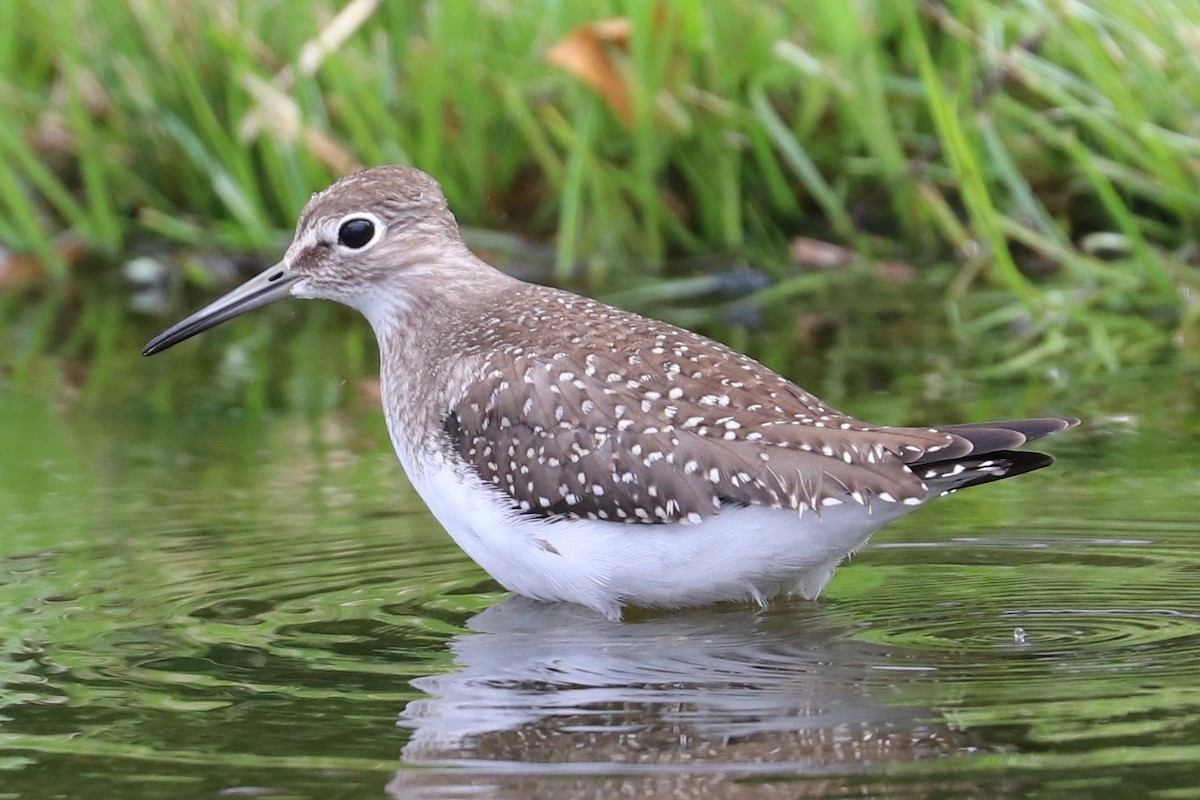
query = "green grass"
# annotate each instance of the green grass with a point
(1035, 160)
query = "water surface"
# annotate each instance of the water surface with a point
(221, 604)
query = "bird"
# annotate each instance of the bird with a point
(582, 453)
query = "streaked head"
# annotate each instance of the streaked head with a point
(363, 234)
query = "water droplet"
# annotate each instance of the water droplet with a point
(1019, 635)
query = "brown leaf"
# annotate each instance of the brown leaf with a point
(826, 255)
(370, 391)
(895, 272)
(20, 270)
(816, 253)
(587, 54)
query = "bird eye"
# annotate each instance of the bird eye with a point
(356, 233)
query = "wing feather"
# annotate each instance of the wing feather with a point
(592, 439)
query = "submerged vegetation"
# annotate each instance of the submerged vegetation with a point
(1022, 173)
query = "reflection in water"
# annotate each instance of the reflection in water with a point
(548, 691)
(250, 618)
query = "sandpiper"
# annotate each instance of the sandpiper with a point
(582, 453)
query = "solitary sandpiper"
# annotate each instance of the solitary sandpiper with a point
(582, 453)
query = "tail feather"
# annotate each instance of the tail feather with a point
(944, 477)
(980, 438)
(1029, 428)
(983, 452)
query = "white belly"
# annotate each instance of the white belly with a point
(742, 553)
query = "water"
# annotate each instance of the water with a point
(224, 606)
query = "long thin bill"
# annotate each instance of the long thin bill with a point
(266, 287)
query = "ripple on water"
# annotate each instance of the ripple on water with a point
(260, 643)
(1097, 601)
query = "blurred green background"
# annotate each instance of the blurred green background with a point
(214, 577)
(961, 203)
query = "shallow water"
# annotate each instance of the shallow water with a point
(260, 606)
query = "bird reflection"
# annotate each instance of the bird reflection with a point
(550, 699)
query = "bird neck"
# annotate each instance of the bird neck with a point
(419, 323)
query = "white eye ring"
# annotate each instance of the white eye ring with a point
(359, 231)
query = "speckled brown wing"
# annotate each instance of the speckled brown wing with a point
(668, 432)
